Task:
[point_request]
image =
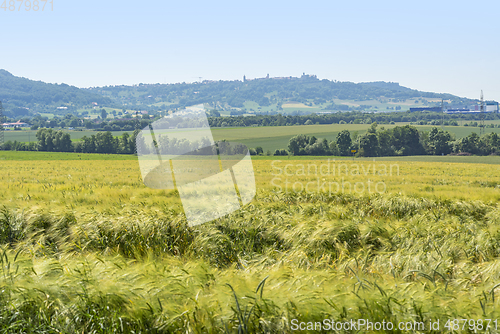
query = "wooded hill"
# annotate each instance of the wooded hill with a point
(264, 92)
(21, 96)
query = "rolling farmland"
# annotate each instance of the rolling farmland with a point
(268, 137)
(277, 137)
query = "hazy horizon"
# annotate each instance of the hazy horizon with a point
(442, 47)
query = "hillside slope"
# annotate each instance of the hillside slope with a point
(21, 96)
(307, 94)
(272, 93)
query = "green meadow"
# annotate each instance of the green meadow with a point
(277, 137)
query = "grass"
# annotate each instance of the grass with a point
(60, 156)
(88, 248)
(491, 159)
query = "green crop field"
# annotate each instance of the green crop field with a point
(277, 137)
(87, 248)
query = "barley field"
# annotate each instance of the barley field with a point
(87, 248)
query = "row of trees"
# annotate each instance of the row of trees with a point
(49, 140)
(104, 142)
(73, 121)
(127, 123)
(400, 140)
(422, 118)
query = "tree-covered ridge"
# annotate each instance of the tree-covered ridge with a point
(264, 92)
(21, 93)
(22, 96)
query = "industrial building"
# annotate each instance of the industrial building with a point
(489, 107)
(437, 109)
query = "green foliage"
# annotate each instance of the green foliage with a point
(102, 142)
(369, 145)
(104, 113)
(264, 92)
(400, 140)
(54, 141)
(439, 142)
(22, 93)
(305, 145)
(298, 143)
(344, 142)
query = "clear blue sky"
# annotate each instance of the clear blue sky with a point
(441, 46)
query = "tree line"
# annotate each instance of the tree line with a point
(398, 141)
(377, 141)
(102, 124)
(127, 123)
(49, 140)
(354, 117)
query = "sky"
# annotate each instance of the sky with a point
(438, 46)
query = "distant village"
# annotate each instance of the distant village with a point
(18, 124)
